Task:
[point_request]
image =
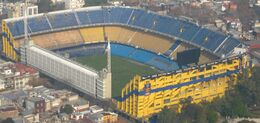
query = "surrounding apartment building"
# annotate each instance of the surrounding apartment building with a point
(73, 4)
(16, 76)
(17, 9)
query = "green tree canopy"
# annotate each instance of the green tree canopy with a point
(68, 109)
(167, 116)
(8, 120)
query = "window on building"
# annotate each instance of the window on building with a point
(30, 12)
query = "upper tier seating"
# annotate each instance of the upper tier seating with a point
(125, 16)
(38, 24)
(62, 20)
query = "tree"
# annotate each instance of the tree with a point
(68, 109)
(44, 6)
(167, 116)
(24, 104)
(246, 121)
(212, 116)
(95, 2)
(8, 120)
(193, 113)
(239, 108)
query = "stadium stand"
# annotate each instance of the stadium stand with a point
(209, 39)
(228, 45)
(16, 28)
(143, 56)
(93, 34)
(125, 35)
(139, 38)
(84, 17)
(58, 39)
(174, 46)
(150, 42)
(62, 20)
(206, 58)
(38, 24)
(135, 34)
(133, 18)
(113, 32)
(95, 17)
(122, 50)
(82, 50)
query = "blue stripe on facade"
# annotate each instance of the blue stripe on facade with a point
(141, 93)
(8, 39)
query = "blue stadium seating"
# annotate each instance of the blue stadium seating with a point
(189, 30)
(172, 48)
(125, 15)
(163, 63)
(96, 17)
(228, 46)
(143, 19)
(114, 14)
(209, 39)
(82, 50)
(143, 56)
(86, 52)
(62, 20)
(131, 17)
(175, 27)
(121, 50)
(17, 28)
(38, 24)
(162, 25)
(107, 15)
(215, 40)
(84, 17)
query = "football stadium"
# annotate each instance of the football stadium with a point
(140, 60)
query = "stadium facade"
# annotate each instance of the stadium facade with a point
(144, 96)
(146, 37)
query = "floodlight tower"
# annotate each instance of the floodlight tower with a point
(106, 72)
(26, 40)
(108, 57)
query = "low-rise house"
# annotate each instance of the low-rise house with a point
(37, 104)
(16, 75)
(103, 117)
(8, 111)
(32, 118)
(95, 109)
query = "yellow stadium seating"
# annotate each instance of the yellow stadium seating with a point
(92, 34)
(57, 39)
(139, 38)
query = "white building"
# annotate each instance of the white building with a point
(16, 76)
(73, 4)
(17, 9)
(57, 1)
(258, 3)
(1, 6)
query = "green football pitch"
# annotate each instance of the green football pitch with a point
(123, 70)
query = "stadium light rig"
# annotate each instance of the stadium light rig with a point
(25, 24)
